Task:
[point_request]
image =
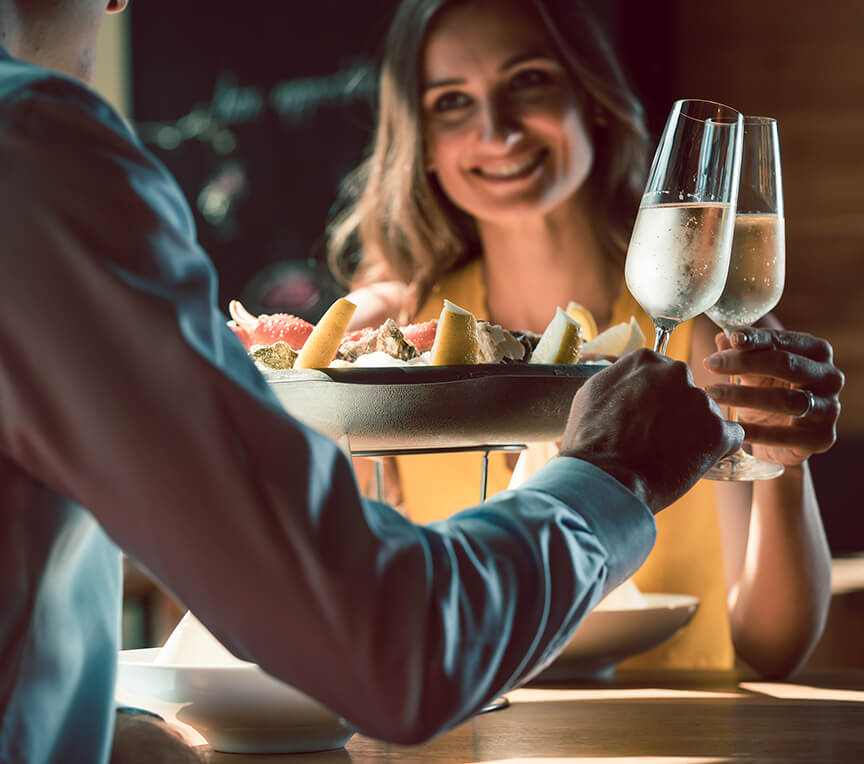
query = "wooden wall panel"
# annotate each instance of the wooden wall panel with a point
(803, 63)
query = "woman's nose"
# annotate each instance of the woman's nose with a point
(499, 124)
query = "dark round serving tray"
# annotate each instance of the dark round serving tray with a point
(433, 407)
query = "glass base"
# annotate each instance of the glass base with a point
(743, 466)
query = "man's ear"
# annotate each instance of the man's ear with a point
(115, 6)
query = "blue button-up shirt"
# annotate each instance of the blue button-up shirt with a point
(131, 417)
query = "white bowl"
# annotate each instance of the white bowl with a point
(606, 637)
(236, 708)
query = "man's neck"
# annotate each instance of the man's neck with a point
(47, 41)
(10, 28)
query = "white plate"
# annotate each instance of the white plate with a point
(606, 637)
(236, 709)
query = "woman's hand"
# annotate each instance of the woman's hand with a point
(378, 302)
(789, 391)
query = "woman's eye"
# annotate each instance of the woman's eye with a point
(451, 102)
(529, 78)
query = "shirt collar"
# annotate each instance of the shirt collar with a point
(4, 56)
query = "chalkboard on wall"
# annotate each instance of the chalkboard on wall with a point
(259, 115)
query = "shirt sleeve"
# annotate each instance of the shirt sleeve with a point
(123, 390)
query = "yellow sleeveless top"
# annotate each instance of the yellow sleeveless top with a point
(687, 558)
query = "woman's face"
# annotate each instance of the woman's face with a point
(503, 124)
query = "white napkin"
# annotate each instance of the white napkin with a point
(190, 644)
(531, 460)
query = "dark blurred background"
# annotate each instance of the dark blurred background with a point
(259, 114)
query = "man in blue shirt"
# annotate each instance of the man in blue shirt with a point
(131, 418)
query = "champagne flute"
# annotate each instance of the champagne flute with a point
(757, 266)
(680, 247)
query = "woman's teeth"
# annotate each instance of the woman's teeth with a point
(511, 169)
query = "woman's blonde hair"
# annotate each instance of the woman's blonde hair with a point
(397, 224)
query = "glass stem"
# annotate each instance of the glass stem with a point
(732, 411)
(661, 339)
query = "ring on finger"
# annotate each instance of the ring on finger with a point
(811, 404)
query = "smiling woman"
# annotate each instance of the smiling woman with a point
(505, 176)
(506, 169)
(545, 62)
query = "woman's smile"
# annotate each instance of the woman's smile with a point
(511, 168)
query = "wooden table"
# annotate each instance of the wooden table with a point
(643, 718)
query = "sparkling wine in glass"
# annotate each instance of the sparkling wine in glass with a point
(757, 266)
(679, 251)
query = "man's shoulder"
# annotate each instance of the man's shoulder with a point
(27, 90)
(66, 152)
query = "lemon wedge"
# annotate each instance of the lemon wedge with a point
(617, 340)
(561, 341)
(585, 319)
(456, 337)
(323, 342)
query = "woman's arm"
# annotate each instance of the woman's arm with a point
(778, 565)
